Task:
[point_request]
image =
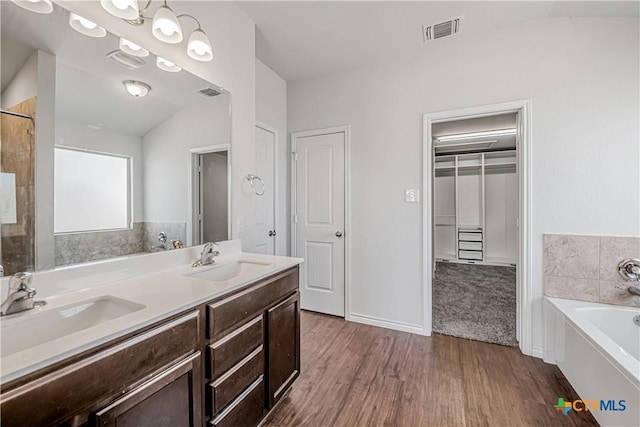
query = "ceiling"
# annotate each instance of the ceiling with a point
(304, 39)
(89, 86)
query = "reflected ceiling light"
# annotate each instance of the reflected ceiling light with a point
(37, 6)
(132, 49)
(86, 27)
(486, 134)
(166, 65)
(199, 46)
(166, 27)
(125, 9)
(136, 89)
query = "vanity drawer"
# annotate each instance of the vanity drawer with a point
(246, 410)
(225, 315)
(470, 236)
(225, 353)
(473, 255)
(470, 246)
(231, 385)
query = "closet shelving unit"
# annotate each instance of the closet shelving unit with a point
(461, 211)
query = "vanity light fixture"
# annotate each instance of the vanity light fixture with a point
(85, 26)
(132, 49)
(125, 9)
(199, 46)
(165, 26)
(37, 6)
(136, 89)
(167, 65)
(485, 134)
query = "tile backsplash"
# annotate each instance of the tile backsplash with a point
(586, 268)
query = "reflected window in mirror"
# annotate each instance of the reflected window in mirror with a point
(91, 191)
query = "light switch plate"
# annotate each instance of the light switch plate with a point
(412, 195)
(240, 226)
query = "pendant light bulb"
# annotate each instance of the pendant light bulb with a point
(167, 65)
(85, 26)
(166, 27)
(199, 46)
(37, 6)
(125, 9)
(131, 48)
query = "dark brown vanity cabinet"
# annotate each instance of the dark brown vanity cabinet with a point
(176, 373)
(283, 329)
(123, 382)
(250, 353)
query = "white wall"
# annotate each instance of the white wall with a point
(584, 89)
(232, 35)
(166, 156)
(37, 78)
(271, 110)
(24, 84)
(79, 135)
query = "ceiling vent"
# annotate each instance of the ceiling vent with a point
(128, 61)
(442, 29)
(209, 92)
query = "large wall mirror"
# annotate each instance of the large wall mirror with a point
(125, 154)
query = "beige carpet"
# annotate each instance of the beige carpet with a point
(477, 302)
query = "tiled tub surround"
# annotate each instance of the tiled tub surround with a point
(586, 268)
(74, 248)
(17, 139)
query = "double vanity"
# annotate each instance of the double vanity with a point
(152, 340)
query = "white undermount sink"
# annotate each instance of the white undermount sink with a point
(33, 328)
(227, 270)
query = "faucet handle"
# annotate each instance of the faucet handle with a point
(20, 281)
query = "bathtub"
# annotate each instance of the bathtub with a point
(597, 347)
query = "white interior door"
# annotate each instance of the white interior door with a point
(265, 204)
(319, 214)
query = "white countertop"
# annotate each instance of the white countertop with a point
(157, 281)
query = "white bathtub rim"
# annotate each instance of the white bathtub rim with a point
(625, 363)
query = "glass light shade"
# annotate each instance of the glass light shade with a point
(132, 48)
(86, 27)
(37, 6)
(199, 46)
(166, 65)
(125, 9)
(166, 27)
(136, 89)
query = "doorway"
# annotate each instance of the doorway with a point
(320, 217)
(265, 206)
(476, 229)
(210, 195)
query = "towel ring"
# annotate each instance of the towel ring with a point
(252, 179)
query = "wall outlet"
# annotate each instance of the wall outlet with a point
(240, 224)
(412, 195)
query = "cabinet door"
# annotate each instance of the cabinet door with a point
(283, 329)
(172, 398)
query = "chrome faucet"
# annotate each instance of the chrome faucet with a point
(20, 295)
(629, 269)
(207, 256)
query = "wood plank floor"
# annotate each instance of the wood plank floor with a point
(357, 375)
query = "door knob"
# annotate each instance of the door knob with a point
(338, 234)
(272, 233)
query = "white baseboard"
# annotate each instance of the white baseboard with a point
(385, 323)
(537, 352)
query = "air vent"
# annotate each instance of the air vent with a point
(209, 92)
(442, 29)
(126, 60)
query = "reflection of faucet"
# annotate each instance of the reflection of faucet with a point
(207, 256)
(20, 295)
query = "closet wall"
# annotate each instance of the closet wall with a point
(476, 207)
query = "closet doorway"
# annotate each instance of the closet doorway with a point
(474, 238)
